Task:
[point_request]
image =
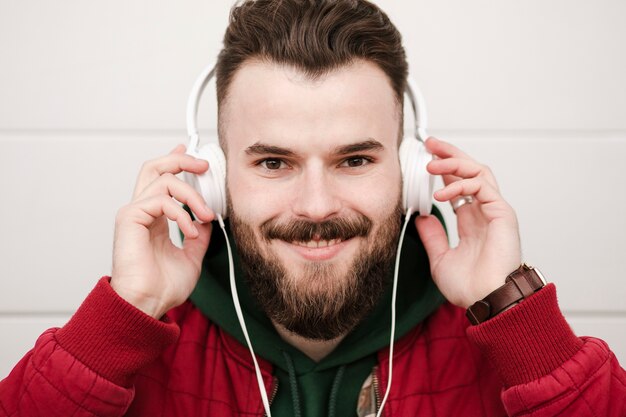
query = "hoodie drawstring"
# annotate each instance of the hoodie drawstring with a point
(334, 391)
(295, 396)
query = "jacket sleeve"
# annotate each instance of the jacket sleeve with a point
(86, 368)
(545, 368)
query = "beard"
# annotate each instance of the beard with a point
(319, 301)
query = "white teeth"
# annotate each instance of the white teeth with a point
(314, 244)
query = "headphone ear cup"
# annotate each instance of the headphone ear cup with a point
(417, 183)
(211, 184)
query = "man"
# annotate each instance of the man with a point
(310, 117)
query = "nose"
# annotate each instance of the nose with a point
(315, 195)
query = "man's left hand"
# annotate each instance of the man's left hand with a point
(489, 243)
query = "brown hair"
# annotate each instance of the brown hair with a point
(313, 36)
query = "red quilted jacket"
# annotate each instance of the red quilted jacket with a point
(112, 360)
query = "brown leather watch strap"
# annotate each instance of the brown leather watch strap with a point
(520, 284)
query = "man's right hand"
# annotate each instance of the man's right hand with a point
(149, 271)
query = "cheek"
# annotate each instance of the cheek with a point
(377, 196)
(250, 200)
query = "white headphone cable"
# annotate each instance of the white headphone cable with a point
(233, 291)
(394, 293)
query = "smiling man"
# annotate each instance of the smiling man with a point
(317, 248)
(310, 100)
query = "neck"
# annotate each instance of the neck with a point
(314, 349)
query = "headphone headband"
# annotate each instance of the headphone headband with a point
(193, 102)
(412, 91)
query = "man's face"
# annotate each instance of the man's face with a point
(314, 184)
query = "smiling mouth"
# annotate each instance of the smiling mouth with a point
(314, 244)
(318, 250)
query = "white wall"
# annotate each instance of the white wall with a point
(89, 90)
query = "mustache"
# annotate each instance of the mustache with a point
(304, 231)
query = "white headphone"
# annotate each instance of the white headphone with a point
(417, 189)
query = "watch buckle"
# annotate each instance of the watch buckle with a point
(537, 271)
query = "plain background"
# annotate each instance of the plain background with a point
(90, 90)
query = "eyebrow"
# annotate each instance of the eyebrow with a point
(364, 146)
(260, 148)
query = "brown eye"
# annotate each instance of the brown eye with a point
(355, 162)
(272, 164)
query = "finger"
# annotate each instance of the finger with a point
(196, 247)
(449, 179)
(147, 212)
(170, 186)
(173, 163)
(444, 149)
(433, 237)
(460, 168)
(465, 168)
(477, 187)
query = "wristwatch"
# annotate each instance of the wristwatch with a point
(520, 284)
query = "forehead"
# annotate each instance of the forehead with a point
(279, 104)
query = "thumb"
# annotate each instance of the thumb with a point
(196, 248)
(433, 237)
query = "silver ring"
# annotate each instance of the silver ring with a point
(459, 202)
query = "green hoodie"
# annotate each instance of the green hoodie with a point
(305, 387)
